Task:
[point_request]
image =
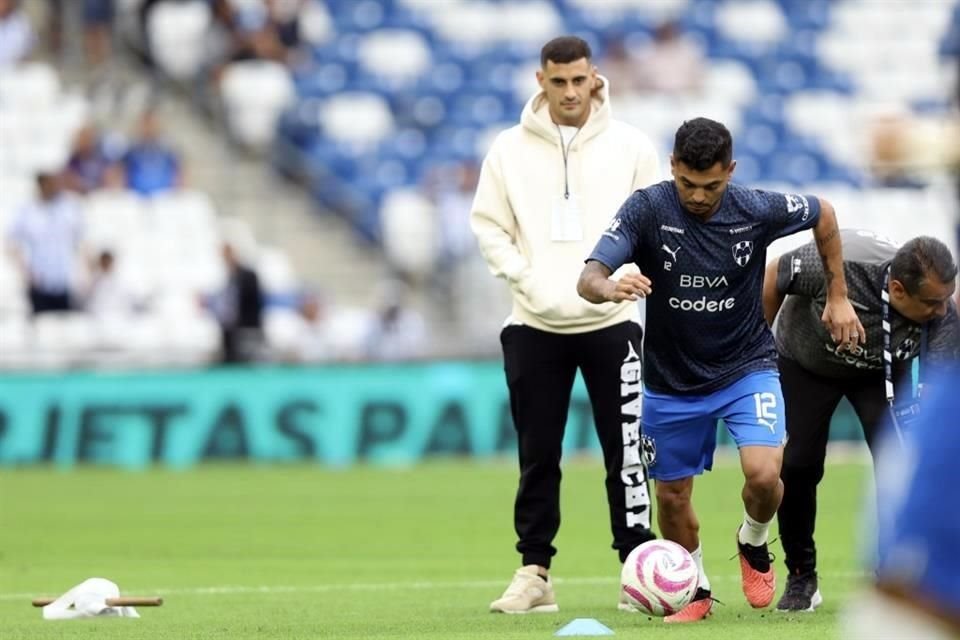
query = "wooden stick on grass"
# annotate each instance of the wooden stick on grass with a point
(123, 601)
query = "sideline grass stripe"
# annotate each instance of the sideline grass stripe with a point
(393, 586)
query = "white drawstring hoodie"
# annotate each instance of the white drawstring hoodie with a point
(522, 178)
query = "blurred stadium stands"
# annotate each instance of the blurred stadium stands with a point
(375, 102)
(797, 82)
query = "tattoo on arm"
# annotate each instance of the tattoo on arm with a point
(827, 238)
(823, 242)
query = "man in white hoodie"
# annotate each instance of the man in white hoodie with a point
(547, 188)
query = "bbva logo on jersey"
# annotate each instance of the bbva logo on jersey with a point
(742, 252)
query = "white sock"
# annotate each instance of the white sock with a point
(752, 532)
(704, 582)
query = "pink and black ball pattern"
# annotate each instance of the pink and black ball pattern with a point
(659, 577)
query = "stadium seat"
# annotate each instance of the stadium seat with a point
(315, 24)
(275, 271)
(357, 118)
(178, 32)
(731, 78)
(113, 218)
(528, 25)
(255, 93)
(400, 57)
(767, 24)
(409, 231)
(29, 86)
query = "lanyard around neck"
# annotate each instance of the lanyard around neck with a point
(887, 351)
(565, 150)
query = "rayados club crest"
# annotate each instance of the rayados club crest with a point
(742, 252)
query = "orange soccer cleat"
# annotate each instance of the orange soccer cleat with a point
(756, 574)
(698, 609)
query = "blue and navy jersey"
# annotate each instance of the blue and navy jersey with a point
(918, 510)
(705, 326)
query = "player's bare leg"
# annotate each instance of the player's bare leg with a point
(762, 492)
(678, 522)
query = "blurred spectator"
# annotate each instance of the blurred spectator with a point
(327, 333)
(150, 164)
(397, 331)
(950, 48)
(239, 310)
(90, 166)
(620, 67)
(106, 294)
(16, 33)
(267, 30)
(314, 342)
(888, 151)
(672, 64)
(905, 148)
(97, 31)
(45, 239)
(452, 193)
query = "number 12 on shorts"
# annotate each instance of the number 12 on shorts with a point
(766, 404)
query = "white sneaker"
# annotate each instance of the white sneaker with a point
(527, 593)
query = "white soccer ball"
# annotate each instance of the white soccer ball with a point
(659, 577)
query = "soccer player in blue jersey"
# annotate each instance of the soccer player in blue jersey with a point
(916, 588)
(700, 242)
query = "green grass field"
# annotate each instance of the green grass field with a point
(302, 552)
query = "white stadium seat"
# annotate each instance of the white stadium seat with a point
(399, 56)
(756, 21)
(255, 92)
(409, 237)
(357, 118)
(178, 31)
(275, 271)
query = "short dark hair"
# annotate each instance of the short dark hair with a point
(701, 143)
(565, 49)
(921, 258)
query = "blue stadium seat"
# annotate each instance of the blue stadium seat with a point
(811, 14)
(324, 78)
(358, 15)
(749, 168)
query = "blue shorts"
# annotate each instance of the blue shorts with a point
(680, 432)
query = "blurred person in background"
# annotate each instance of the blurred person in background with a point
(327, 333)
(547, 188)
(266, 30)
(916, 318)
(238, 308)
(91, 166)
(950, 47)
(620, 66)
(672, 64)
(106, 293)
(709, 354)
(915, 590)
(150, 164)
(16, 33)
(45, 242)
(451, 189)
(396, 331)
(98, 31)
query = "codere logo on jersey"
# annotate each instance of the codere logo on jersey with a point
(702, 305)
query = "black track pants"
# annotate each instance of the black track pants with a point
(540, 369)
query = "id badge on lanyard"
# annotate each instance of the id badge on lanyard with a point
(903, 414)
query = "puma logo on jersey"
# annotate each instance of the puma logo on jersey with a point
(672, 252)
